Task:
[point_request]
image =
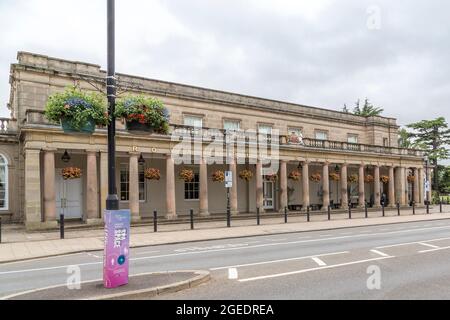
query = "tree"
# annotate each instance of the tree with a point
(433, 136)
(368, 110)
(444, 180)
(404, 139)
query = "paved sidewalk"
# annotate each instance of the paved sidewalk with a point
(19, 245)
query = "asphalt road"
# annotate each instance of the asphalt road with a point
(407, 261)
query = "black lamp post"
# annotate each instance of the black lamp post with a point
(427, 181)
(112, 201)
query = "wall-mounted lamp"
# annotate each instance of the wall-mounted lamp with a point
(141, 160)
(65, 157)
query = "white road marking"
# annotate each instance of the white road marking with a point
(312, 269)
(318, 261)
(379, 253)
(233, 274)
(146, 252)
(93, 255)
(277, 261)
(410, 243)
(240, 248)
(433, 250)
(428, 245)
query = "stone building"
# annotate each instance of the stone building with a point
(33, 191)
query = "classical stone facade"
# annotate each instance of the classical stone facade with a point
(334, 144)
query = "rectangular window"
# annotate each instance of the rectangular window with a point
(352, 138)
(191, 189)
(231, 125)
(385, 142)
(264, 129)
(3, 187)
(321, 135)
(193, 121)
(125, 183)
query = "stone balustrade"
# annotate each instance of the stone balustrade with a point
(8, 125)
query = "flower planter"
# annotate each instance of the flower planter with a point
(87, 128)
(71, 173)
(136, 126)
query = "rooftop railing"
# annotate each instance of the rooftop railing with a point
(8, 125)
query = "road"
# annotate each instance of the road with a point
(410, 260)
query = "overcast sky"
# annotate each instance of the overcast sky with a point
(321, 53)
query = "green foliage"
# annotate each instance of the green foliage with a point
(435, 199)
(145, 110)
(368, 110)
(76, 107)
(444, 179)
(404, 139)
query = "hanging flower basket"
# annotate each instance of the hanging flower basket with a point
(76, 111)
(187, 175)
(71, 173)
(353, 178)
(335, 176)
(368, 178)
(316, 177)
(143, 114)
(152, 174)
(411, 179)
(384, 179)
(295, 175)
(271, 177)
(246, 175)
(218, 176)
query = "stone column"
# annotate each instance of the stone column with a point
(49, 186)
(133, 189)
(400, 180)
(234, 189)
(171, 212)
(203, 195)
(259, 187)
(362, 192)
(344, 186)
(377, 187)
(430, 182)
(91, 188)
(305, 178)
(421, 187)
(392, 184)
(416, 197)
(103, 181)
(283, 185)
(326, 185)
(404, 190)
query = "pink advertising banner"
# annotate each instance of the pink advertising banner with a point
(117, 248)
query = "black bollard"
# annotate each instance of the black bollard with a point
(428, 207)
(414, 207)
(258, 221)
(440, 206)
(61, 226)
(192, 218)
(398, 208)
(155, 221)
(382, 209)
(285, 215)
(329, 213)
(366, 211)
(349, 210)
(308, 218)
(228, 217)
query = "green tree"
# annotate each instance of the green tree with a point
(433, 136)
(367, 110)
(404, 139)
(444, 180)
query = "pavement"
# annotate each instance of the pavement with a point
(18, 245)
(399, 260)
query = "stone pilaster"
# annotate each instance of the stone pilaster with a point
(326, 185)
(416, 197)
(92, 211)
(171, 212)
(305, 179)
(283, 185)
(203, 196)
(134, 186)
(377, 187)
(49, 186)
(361, 187)
(421, 186)
(344, 186)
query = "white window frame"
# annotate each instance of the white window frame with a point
(232, 121)
(192, 116)
(5, 165)
(127, 165)
(266, 125)
(352, 135)
(319, 132)
(193, 182)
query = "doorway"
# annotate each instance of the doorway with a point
(268, 192)
(68, 197)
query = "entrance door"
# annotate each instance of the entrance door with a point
(268, 191)
(68, 197)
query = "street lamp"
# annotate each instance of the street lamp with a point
(427, 182)
(112, 201)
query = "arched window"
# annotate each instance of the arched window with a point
(3, 183)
